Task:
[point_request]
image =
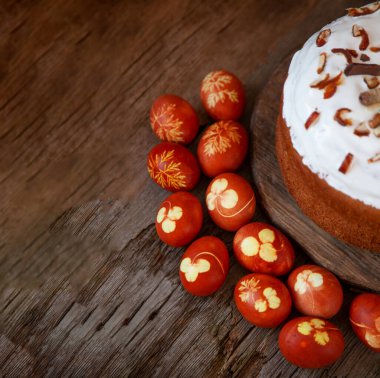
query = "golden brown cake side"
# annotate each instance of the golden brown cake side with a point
(344, 217)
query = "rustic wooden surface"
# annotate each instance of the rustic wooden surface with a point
(87, 289)
(356, 266)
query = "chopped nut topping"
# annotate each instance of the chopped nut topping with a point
(374, 158)
(320, 83)
(365, 58)
(356, 12)
(353, 53)
(371, 97)
(361, 130)
(312, 119)
(322, 62)
(344, 52)
(374, 123)
(372, 82)
(323, 37)
(328, 85)
(332, 86)
(359, 31)
(362, 69)
(346, 163)
(377, 132)
(340, 113)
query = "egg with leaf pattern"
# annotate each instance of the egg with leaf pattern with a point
(315, 291)
(179, 219)
(263, 300)
(173, 167)
(204, 266)
(365, 319)
(311, 342)
(222, 95)
(261, 248)
(230, 201)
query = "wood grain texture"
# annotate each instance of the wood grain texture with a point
(354, 265)
(86, 287)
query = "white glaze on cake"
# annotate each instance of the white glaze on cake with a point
(325, 144)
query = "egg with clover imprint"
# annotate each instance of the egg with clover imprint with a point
(230, 201)
(315, 291)
(204, 266)
(365, 319)
(179, 219)
(263, 300)
(222, 95)
(173, 119)
(261, 248)
(222, 148)
(310, 342)
(173, 167)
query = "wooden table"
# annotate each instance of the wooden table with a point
(87, 289)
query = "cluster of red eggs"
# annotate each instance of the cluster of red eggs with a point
(309, 341)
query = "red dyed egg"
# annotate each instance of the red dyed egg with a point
(222, 148)
(173, 167)
(204, 266)
(262, 248)
(365, 319)
(230, 201)
(222, 95)
(315, 291)
(179, 219)
(263, 300)
(311, 342)
(173, 119)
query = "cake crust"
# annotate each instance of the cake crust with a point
(342, 216)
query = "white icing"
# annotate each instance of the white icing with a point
(326, 143)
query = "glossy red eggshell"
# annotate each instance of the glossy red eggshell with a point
(310, 342)
(222, 95)
(173, 119)
(222, 148)
(179, 219)
(263, 300)
(230, 201)
(261, 248)
(365, 319)
(173, 167)
(204, 266)
(315, 291)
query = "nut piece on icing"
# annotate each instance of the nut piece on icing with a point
(372, 82)
(312, 119)
(339, 117)
(323, 37)
(374, 158)
(328, 85)
(359, 31)
(368, 9)
(322, 62)
(346, 163)
(371, 97)
(346, 53)
(377, 132)
(365, 58)
(374, 123)
(362, 130)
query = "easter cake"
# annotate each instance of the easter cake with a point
(328, 130)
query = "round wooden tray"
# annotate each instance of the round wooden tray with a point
(353, 265)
